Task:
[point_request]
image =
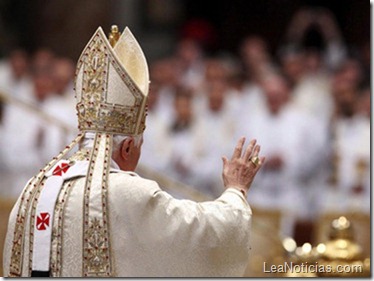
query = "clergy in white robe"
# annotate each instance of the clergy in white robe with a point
(214, 117)
(294, 145)
(90, 215)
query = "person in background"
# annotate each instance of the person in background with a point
(156, 146)
(182, 137)
(316, 27)
(61, 106)
(15, 77)
(289, 175)
(310, 83)
(349, 180)
(216, 115)
(166, 73)
(30, 143)
(257, 64)
(190, 58)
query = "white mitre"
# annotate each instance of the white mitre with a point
(112, 85)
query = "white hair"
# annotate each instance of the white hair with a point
(88, 140)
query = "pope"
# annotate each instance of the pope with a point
(88, 214)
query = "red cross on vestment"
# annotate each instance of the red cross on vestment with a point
(59, 170)
(42, 221)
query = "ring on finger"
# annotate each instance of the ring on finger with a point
(255, 160)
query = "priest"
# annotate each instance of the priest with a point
(88, 214)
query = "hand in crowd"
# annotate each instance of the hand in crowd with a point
(240, 170)
(305, 18)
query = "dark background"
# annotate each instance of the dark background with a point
(66, 25)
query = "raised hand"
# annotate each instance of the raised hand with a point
(240, 170)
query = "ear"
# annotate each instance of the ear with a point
(126, 148)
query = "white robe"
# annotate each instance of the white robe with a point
(156, 146)
(20, 154)
(213, 136)
(152, 234)
(352, 145)
(298, 140)
(63, 109)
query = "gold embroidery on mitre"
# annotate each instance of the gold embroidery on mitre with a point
(108, 99)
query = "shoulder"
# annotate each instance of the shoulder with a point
(121, 179)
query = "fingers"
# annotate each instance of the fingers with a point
(224, 160)
(262, 160)
(256, 151)
(238, 149)
(260, 163)
(249, 150)
(254, 159)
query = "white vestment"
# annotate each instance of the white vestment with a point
(352, 168)
(61, 108)
(151, 233)
(298, 140)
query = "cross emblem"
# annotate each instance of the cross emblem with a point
(61, 169)
(42, 221)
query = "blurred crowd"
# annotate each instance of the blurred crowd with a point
(308, 106)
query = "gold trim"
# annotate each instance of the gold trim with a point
(32, 221)
(94, 113)
(16, 259)
(57, 230)
(96, 246)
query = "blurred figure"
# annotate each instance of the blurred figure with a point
(215, 71)
(293, 145)
(293, 66)
(349, 182)
(15, 74)
(166, 73)
(257, 64)
(43, 60)
(61, 105)
(215, 118)
(316, 27)
(190, 58)
(29, 145)
(42, 86)
(310, 84)
(364, 103)
(256, 58)
(156, 147)
(183, 141)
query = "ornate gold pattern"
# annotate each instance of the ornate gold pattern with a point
(94, 112)
(96, 247)
(32, 220)
(58, 225)
(81, 155)
(16, 260)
